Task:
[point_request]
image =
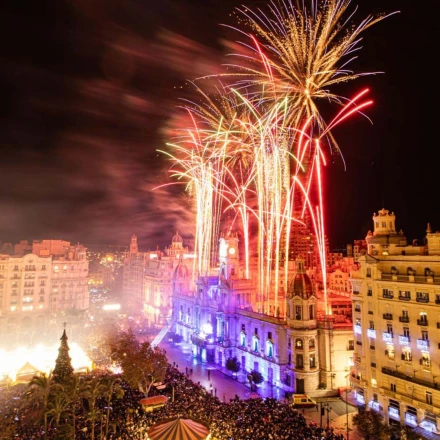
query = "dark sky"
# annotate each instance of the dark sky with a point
(89, 88)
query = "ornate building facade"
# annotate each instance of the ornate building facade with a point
(296, 348)
(396, 306)
(148, 276)
(52, 278)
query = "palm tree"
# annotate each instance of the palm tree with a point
(75, 388)
(41, 387)
(95, 389)
(112, 384)
(58, 404)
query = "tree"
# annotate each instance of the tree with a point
(40, 388)
(232, 364)
(112, 387)
(371, 425)
(257, 377)
(141, 363)
(94, 390)
(75, 388)
(63, 365)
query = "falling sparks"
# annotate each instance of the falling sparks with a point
(257, 148)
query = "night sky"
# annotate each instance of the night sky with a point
(90, 88)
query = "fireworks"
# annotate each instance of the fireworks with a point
(257, 148)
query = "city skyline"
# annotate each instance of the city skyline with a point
(81, 137)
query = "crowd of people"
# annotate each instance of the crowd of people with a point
(257, 418)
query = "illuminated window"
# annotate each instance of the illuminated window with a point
(299, 343)
(56, 268)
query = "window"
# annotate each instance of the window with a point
(406, 354)
(422, 296)
(368, 272)
(351, 344)
(393, 387)
(312, 361)
(299, 343)
(429, 398)
(299, 361)
(406, 332)
(312, 343)
(371, 325)
(405, 295)
(311, 311)
(269, 335)
(298, 312)
(423, 319)
(390, 328)
(425, 335)
(256, 331)
(390, 352)
(243, 327)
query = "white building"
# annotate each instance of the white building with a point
(396, 307)
(37, 284)
(299, 350)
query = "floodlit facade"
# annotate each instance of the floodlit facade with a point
(147, 285)
(37, 284)
(396, 316)
(295, 347)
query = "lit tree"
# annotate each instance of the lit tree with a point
(232, 364)
(371, 425)
(63, 364)
(141, 363)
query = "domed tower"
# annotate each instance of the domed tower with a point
(302, 331)
(384, 239)
(176, 249)
(181, 278)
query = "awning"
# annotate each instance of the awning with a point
(151, 403)
(178, 429)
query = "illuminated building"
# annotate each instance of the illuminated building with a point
(297, 347)
(396, 297)
(40, 283)
(148, 278)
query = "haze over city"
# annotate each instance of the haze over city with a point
(91, 89)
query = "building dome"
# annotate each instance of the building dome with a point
(301, 285)
(177, 238)
(181, 271)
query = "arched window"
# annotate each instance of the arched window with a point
(312, 343)
(299, 343)
(299, 361)
(255, 343)
(269, 348)
(243, 339)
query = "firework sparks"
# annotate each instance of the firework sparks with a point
(258, 145)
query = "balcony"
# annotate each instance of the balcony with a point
(388, 316)
(394, 373)
(404, 319)
(405, 297)
(422, 300)
(423, 322)
(423, 344)
(388, 295)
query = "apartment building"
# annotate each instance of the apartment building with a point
(396, 317)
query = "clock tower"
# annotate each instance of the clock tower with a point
(228, 256)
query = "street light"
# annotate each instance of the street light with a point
(346, 403)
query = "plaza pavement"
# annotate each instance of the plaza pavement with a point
(225, 387)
